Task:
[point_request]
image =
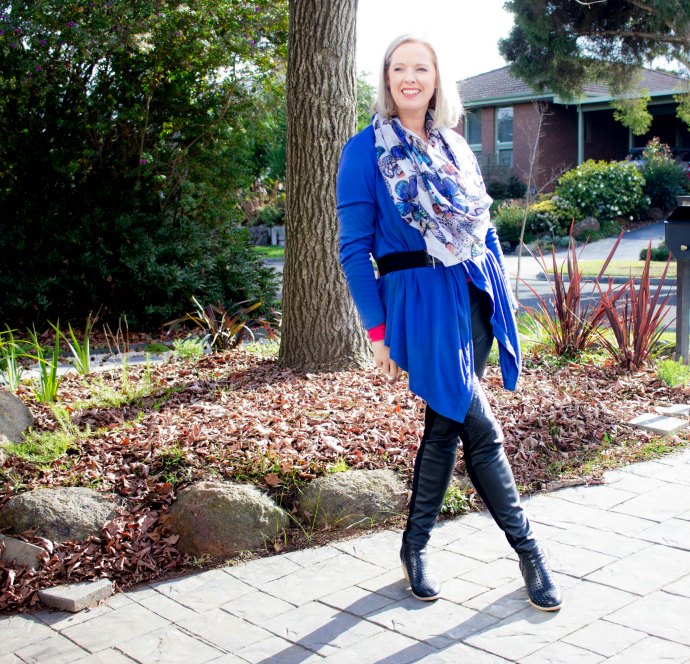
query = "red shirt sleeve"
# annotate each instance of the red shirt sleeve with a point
(377, 333)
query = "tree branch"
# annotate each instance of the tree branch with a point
(643, 6)
(652, 36)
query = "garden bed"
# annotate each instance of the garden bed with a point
(238, 416)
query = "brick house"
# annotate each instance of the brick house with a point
(502, 118)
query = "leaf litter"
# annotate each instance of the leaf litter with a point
(237, 417)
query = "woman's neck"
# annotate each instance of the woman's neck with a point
(415, 122)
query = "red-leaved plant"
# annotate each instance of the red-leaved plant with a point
(570, 324)
(635, 316)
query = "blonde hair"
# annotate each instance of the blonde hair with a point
(446, 99)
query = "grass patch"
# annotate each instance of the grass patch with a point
(622, 268)
(156, 348)
(667, 343)
(189, 349)
(263, 349)
(270, 251)
(174, 466)
(612, 454)
(456, 501)
(129, 393)
(673, 373)
(340, 466)
(494, 355)
(45, 447)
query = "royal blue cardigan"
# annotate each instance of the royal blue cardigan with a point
(426, 310)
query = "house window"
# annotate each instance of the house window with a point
(504, 136)
(473, 130)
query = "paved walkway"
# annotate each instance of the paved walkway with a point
(621, 551)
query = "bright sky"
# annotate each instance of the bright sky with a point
(465, 32)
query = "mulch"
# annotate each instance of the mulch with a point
(237, 417)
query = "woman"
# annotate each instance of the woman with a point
(410, 193)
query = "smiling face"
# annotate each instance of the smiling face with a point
(411, 77)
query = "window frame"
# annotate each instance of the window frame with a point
(504, 146)
(477, 114)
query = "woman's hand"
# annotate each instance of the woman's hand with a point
(383, 361)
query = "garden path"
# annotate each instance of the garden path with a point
(621, 551)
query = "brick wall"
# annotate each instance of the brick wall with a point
(488, 130)
(525, 131)
(558, 144)
(557, 151)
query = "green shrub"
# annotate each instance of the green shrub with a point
(508, 221)
(273, 215)
(551, 214)
(608, 228)
(513, 187)
(660, 253)
(674, 373)
(665, 179)
(126, 136)
(147, 268)
(604, 190)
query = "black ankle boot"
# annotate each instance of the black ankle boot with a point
(542, 590)
(415, 566)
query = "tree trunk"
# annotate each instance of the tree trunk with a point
(321, 329)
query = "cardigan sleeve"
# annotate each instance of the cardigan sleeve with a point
(494, 246)
(356, 204)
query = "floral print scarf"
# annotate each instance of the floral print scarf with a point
(436, 186)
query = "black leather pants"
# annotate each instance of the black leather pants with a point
(482, 443)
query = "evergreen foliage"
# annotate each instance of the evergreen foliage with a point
(127, 130)
(562, 45)
(604, 190)
(365, 101)
(665, 178)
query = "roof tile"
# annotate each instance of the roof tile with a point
(500, 83)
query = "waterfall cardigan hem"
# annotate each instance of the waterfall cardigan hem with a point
(425, 310)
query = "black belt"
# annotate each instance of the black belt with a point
(405, 260)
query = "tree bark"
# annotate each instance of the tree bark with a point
(321, 329)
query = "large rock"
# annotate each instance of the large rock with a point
(587, 225)
(62, 514)
(223, 519)
(15, 417)
(354, 498)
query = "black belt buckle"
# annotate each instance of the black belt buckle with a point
(430, 260)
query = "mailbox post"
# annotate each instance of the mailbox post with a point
(677, 231)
